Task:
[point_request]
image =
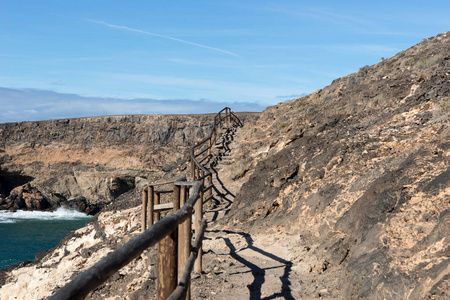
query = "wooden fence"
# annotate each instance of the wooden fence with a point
(173, 233)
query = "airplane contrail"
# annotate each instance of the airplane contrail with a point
(161, 36)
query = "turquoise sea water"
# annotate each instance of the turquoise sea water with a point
(25, 233)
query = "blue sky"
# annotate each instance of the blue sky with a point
(260, 52)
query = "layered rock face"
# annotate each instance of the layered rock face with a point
(87, 162)
(116, 224)
(25, 196)
(349, 187)
(359, 174)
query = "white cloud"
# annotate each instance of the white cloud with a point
(366, 48)
(293, 96)
(372, 49)
(160, 80)
(31, 111)
(43, 105)
(342, 19)
(126, 28)
(212, 89)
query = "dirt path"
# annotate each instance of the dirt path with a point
(236, 267)
(240, 266)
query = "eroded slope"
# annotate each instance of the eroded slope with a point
(359, 173)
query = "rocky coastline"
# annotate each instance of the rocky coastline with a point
(86, 163)
(341, 194)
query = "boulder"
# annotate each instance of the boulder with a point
(81, 204)
(25, 197)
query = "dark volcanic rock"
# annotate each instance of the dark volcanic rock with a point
(25, 197)
(82, 204)
(355, 175)
(98, 158)
(362, 168)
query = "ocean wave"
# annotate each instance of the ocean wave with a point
(4, 263)
(60, 214)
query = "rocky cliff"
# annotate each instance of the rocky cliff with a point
(87, 162)
(342, 194)
(119, 220)
(358, 172)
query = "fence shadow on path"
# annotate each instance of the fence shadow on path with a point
(259, 273)
(226, 197)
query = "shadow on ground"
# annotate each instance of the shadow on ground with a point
(258, 272)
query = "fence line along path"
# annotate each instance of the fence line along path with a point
(173, 233)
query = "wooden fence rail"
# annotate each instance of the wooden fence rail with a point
(88, 280)
(176, 255)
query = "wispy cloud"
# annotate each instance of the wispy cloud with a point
(335, 17)
(126, 28)
(172, 81)
(372, 49)
(44, 105)
(293, 96)
(223, 64)
(366, 48)
(207, 88)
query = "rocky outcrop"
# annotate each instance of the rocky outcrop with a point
(25, 197)
(347, 191)
(360, 171)
(87, 162)
(116, 223)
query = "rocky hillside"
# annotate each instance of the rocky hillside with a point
(359, 174)
(87, 162)
(117, 223)
(342, 194)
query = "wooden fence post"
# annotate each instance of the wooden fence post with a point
(167, 266)
(167, 256)
(192, 169)
(198, 208)
(176, 198)
(197, 173)
(157, 201)
(210, 179)
(210, 145)
(144, 210)
(184, 239)
(226, 116)
(151, 205)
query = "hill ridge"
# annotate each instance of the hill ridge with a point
(360, 169)
(346, 189)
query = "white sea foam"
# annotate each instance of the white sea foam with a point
(60, 214)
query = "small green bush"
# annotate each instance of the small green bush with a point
(283, 125)
(300, 102)
(353, 79)
(445, 104)
(409, 62)
(364, 70)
